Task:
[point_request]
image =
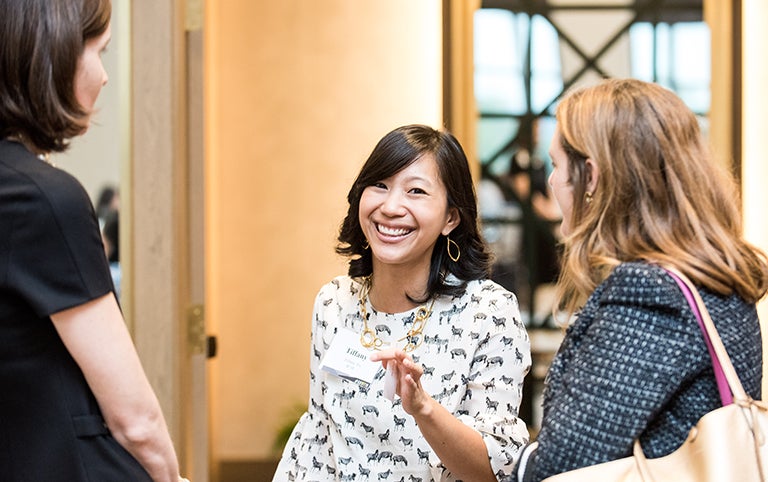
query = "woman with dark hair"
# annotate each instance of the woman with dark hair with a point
(75, 403)
(639, 188)
(417, 299)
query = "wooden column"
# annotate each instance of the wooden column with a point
(155, 202)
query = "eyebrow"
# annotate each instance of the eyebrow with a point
(419, 178)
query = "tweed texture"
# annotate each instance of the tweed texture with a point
(634, 364)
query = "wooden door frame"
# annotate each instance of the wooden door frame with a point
(723, 18)
(159, 263)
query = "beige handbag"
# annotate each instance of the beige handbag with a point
(727, 444)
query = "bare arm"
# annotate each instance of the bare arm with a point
(459, 447)
(96, 337)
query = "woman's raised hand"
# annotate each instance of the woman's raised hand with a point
(407, 375)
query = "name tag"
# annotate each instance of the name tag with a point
(346, 358)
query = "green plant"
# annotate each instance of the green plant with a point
(289, 419)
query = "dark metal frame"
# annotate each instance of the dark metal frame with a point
(654, 11)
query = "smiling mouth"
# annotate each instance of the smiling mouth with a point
(394, 232)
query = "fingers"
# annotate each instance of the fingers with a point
(382, 355)
(409, 380)
(413, 368)
(389, 354)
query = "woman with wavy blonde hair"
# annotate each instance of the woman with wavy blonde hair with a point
(638, 186)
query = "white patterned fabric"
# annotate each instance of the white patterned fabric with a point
(475, 354)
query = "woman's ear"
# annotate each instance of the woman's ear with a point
(453, 220)
(593, 174)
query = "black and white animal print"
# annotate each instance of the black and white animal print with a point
(475, 354)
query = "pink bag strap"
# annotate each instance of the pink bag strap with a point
(722, 382)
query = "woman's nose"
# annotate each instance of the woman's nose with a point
(393, 204)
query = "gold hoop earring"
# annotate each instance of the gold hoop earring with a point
(366, 245)
(455, 259)
(588, 198)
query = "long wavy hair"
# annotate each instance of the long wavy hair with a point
(660, 195)
(393, 153)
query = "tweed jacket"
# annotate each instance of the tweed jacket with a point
(634, 364)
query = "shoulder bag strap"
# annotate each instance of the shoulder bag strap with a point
(728, 382)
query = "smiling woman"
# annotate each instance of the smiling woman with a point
(450, 342)
(402, 154)
(403, 216)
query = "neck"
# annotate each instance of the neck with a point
(391, 287)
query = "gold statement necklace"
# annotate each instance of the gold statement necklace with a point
(413, 339)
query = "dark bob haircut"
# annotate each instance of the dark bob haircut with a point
(394, 152)
(42, 41)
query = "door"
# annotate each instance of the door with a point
(165, 180)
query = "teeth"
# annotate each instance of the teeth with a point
(392, 231)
